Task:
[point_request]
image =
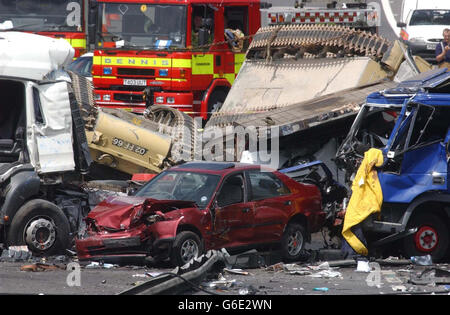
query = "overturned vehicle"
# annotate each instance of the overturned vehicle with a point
(43, 149)
(197, 206)
(409, 124)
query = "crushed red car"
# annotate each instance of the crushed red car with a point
(198, 206)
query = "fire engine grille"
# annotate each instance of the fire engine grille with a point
(136, 71)
(130, 98)
(127, 88)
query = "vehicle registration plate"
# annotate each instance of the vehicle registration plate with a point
(129, 146)
(134, 82)
(431, 46)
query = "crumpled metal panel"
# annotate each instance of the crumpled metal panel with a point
(51, 148)
(303, 115)
(32, 56)
(265, 86)
(298, 75)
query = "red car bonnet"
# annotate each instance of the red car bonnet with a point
(117, 212)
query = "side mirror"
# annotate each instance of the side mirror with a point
(401, 24)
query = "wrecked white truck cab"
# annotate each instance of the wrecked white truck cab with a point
(43, 147)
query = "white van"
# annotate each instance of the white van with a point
(422, 23)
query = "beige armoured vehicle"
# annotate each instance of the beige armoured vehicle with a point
(126, 143)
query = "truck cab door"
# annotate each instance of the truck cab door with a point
(418, 155)
(49, 128)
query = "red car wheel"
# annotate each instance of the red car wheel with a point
(187, 246)
(293, 241)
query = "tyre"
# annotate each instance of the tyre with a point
(187, 246)
(431, 238)
(42, 226)
(293, 242)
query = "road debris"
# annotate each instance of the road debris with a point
(391, 277)
(183, 278)
(98, 265)
(223, 284)
(363, 266)
(236, 271)
(400, 288)
(41, 267)
(154, 274)
(321, 289)
(431, 276)
(247, 260)
(16, 253)
(326, 274)
(251, 290)
(321, 271)
(422, 260)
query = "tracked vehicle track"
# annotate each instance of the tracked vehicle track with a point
(179, 126)
(306, 40)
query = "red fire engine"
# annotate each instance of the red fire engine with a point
(175, 50)
(55, 18)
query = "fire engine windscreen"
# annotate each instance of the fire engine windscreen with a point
(125, 25)
(42, 15)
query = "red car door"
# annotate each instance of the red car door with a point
(272, 205)
(233, 224)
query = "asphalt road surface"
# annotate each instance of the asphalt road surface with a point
(258, 281)
(270, 278)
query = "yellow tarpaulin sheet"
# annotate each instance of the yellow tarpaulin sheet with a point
(366, 198)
